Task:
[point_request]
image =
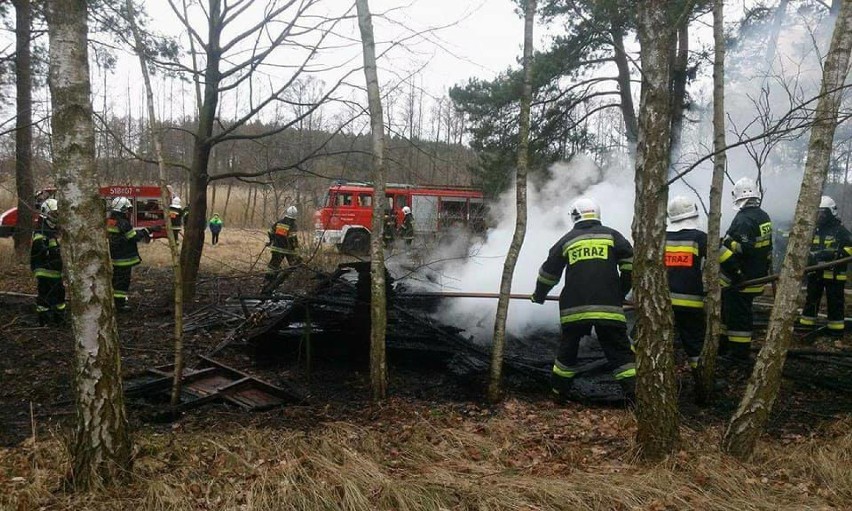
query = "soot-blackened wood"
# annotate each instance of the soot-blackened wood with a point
(656, 388)
(101, 447)
(750, 418)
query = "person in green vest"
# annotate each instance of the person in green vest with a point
(215, 225)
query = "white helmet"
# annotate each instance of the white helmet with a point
(49, 210)
(825, 202)
(406, 210)
(744, 189)
(292, 212)
(585, 209)
(175, 202)
(681, 208)
(121, 204)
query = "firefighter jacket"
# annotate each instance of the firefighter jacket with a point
(406, 230)
(45, 256)
(282, 236)
(831, 241)
(591, 256)
(747, 249)
(175, 218)
(122, 240)
(215, 224)
(686, 251)
(389, 230)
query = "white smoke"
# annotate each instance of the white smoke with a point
(548, 220)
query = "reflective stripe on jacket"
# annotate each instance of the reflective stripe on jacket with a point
(597, 262)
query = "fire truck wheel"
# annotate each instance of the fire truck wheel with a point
(356, 243)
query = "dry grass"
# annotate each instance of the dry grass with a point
(523, 457)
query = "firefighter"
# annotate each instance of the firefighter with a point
(283, 243)
(176, 216)
(597, 262)
(831, 241)
(46, 264)
(746, 254)
(215, 225)
(406, 230)
(686, 251)
(123, 251)
(389, 231)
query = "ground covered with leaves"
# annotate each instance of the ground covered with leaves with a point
(435, 444)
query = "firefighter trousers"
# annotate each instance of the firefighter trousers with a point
(121, 284)
(50, 302)
(690, 325)
(737, 323)
(612, 336)
(834, 298)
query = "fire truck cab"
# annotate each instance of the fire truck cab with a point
(147, 207)
(345, 216)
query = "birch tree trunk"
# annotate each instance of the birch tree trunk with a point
(157, 137)
(101, 447)
(23, 130)
(499, 340)
(713, 302)
(750, 418)
(378, 303)
(656, 391)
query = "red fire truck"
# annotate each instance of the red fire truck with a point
(345, 216)
(147, 208)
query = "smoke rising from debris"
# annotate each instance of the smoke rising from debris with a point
(757, 95)
(548, 220)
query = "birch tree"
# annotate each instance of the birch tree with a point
(378, 302)
(165, 197)
(750, 418)
(656, 389)
(23, 128)
(101, 447)
(499, 339)
(713, 303)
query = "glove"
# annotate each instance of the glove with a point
(537, 299)
(812, 258)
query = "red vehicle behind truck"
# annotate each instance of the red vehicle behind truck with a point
(345, 216)
(147, 207)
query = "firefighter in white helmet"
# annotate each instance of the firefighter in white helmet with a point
(597, 262)
(46, 264)
(746, 254)
(176, 216)
(831, 241)
(406, 230)
(283, 243)
(686, 251)
(122, 248)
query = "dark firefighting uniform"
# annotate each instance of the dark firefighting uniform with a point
(175, 221)
(123, 252)
(685, 253)
(591, 256)
(406, 230)
(389, 230)
(46, 264)
(746, 254)
(831, 241)
(283, 242)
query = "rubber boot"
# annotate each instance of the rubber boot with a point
(628, 388)
(59, 317)
(560, 388)
(121, 305)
